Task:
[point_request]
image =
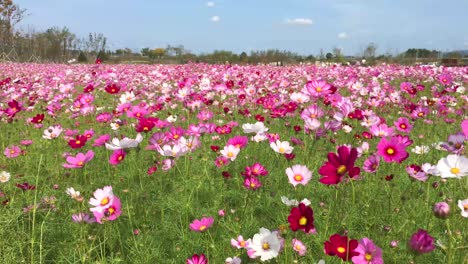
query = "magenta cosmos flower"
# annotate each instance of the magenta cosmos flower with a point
(117, 156)
(392, 150)
(338, 165)
(12, 152)
(403, 125)
(202, 224)
(298, 174)
(421, 242)
(79, 160)
(369, 253)
(197, 259)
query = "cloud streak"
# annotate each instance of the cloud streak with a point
(299, 21)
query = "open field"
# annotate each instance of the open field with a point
(177, 160)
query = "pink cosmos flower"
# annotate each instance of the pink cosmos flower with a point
(416, 172)
(369, 253)
(202, 224)
(83, 218)
(381, 130)
(371, 163)
(167, 164)
(403, 125)
(26, 142)
(256, 169)
(117, 156)
(79, 160)
(240, 242)
(317, 88)
(101, 140)
(464, 126)
(12, 152)
(252, 183)
(298, 174)
(238, 141)
(299, 247)
(197, 259)
(110, 212)
(392, 150)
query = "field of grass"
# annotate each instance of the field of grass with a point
(161, 196)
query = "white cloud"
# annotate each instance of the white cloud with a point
(210, 4)
(343, 35)
(215, 18)
(299, 21)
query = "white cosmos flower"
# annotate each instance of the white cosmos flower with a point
(172, 151)
(453, 166)
(52, 132)
(4, 176)
(124, 143)
(463, 205)
(258, 128)
(266, 244)
(281, 147)
(230, 152)
(127, 97)
(171, 118)
(430, 169)
(294, 202)
(420, 149)
(72, 193)
(259, 137)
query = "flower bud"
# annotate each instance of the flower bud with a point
(441, 209)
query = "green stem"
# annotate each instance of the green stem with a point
(34, 210)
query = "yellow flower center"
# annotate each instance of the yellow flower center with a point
(298, 177)
(111, 210)
(403, 126)
(455, 170)
(390, 151)
(105, 201)
(341, 250)
(281, 150)
(368, 257)
(420, 114)
(341, 169)
(203, 227)
(313, 116)
(465, 207)
(120, 158)
(318, 89)
(266, 246)
(230, 154)
(78, 142)
(12, 151)
(80, 163)
(252, 185)
(297, 247)
(242, 243)
(303, 221)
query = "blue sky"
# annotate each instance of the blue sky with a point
(303, 26)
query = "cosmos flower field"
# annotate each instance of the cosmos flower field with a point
(205, 163)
